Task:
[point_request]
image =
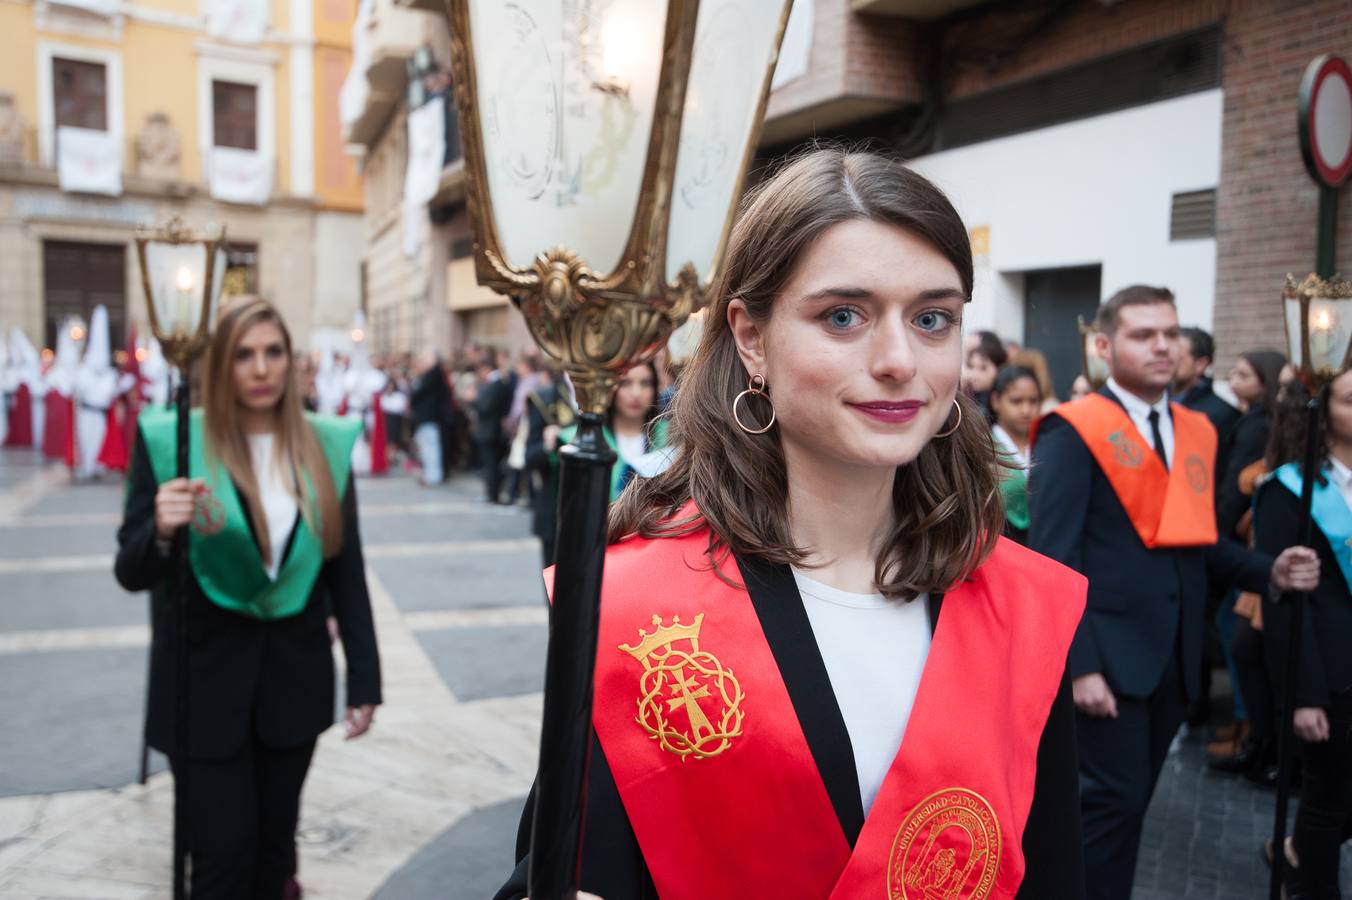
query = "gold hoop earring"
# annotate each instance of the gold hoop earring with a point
(957, 424)
(755, 386)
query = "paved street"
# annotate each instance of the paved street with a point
(426, 805)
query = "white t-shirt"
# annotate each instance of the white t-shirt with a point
(875, 651)
(279, 508)
(631, 447)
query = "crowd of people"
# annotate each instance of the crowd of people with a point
(839, 492)
(1130, 712)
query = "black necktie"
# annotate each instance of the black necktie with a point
(1159, 438)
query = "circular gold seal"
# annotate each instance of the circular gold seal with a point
(947, 848)
(1199, 479)
(1127, 452)
(208, 514)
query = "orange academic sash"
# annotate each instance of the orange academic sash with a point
(1167, 507)
(717, 778)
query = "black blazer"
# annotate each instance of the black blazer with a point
(612, 863)
(1326, 639)
(1241, 448)
(545, 503)
(1142, 603)
(1201, 397)
(430, 397)
(492, 403)
(276, 677)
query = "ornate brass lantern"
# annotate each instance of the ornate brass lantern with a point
(181, 273)
(1318, 316)
(606, 143)
(605, 148)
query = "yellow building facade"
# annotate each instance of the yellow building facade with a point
(121, 113)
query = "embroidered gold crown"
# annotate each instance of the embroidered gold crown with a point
(664, 636)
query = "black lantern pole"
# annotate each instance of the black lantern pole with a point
(181, 275)
(603, 261)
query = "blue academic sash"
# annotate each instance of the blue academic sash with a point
(1330, 514)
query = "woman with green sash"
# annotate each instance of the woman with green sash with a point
(1016, 402)
(1323, 689)
(634, 429)
(274, 548)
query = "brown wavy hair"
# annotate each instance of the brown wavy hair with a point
(295, 443)
(948, 513)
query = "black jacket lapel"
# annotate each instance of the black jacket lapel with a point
(774, 594)
(779, 607)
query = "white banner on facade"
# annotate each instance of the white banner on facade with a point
(413, 228)
(426, 151)
(795, 54)
(240, 176)
(241, 21)
(88, 161)
(422, 175)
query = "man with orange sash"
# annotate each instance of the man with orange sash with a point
(1121, 491)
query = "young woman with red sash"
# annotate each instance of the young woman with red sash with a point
(821, 671)
(273, 544)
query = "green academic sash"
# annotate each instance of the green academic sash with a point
(222, 551)
(620, 472)
(1014, 492)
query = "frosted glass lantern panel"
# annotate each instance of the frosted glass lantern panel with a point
(1330, 332)
(736, 43)
(1095, 366)
(566, 93)
(176, 275)
(1291, 307)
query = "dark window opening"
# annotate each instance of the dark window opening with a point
(234, 115)
(78, 277)
(80, 94)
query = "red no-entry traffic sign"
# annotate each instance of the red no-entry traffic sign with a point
(1326, 120)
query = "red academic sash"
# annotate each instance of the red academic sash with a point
(717, 778)
(1167, 507)
(380, 456)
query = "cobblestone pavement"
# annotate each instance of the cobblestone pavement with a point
(426, 805)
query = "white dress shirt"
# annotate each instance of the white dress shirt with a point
(1139, 411)
(279, 508)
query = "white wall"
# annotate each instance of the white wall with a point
(1096, 191)
(340, 240)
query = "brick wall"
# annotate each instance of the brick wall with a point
(1266, 203)
(868, 58)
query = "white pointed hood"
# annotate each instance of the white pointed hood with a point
(25, 361)
(98, 353)
(61, 376)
